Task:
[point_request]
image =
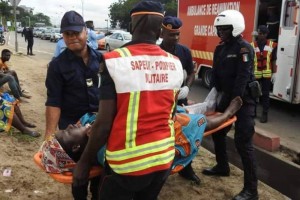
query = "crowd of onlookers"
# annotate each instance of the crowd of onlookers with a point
(11, 97)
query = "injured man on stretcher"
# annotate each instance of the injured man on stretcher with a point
(61, 151)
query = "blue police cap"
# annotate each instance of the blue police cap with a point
(72, 21)
(172, 23)
(147, 7)
(263, 29)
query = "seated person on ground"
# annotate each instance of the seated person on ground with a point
(12, 116)
(6, 71)
(71, 142)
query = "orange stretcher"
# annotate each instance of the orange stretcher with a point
(225, 124)
(96, 171)
(65, 177)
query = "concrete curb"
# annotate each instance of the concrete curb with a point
(272, 142)
(266, 140)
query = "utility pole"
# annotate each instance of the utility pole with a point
(15, 17)
(14, 4)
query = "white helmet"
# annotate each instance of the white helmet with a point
(231, 17)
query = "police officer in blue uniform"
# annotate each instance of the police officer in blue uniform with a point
(72, 85)
(232, 72)
(170, 35)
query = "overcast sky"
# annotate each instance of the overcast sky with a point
(96, 10)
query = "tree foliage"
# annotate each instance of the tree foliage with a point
(119, 11)
(23, 16)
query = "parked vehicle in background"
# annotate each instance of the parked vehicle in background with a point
(55, 34)
(45, 35)
(38, 32)
(101, 43)
(117, 39)
(20, 29)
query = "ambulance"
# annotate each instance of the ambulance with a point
(199, 34)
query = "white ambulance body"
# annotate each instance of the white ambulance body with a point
(200, 36)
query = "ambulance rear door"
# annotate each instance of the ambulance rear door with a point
(286, 86)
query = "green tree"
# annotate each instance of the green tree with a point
(119, 11)
(4, 11)
(7, 15)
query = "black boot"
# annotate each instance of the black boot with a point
(246, 195)
(189, 174)
(264, 117)
(217, 171)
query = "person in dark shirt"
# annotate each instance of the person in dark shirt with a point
(170, 35)
(135, 113)
(24, 33)
(231, 74)
(265, 67)
(29, 37)
(72, 82)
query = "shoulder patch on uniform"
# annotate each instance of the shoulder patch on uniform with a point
(244, 50)
(245, 57)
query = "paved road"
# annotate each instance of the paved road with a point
(284, 118)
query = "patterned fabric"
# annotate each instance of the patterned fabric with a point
(6, 114)
(189, 129)
(54, 158)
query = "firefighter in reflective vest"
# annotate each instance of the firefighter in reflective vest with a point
(139, 87)
(264, 67)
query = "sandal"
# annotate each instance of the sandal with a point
(29, 125)
(32, 133)
(24, 91)
(26, 96)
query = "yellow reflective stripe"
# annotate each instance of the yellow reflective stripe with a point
(205, 55)
(255, 58)
(144, 163)
(132, 119)
(267, 73)
(140, 150)
(269, 56)
(171, 121)
(124, 52)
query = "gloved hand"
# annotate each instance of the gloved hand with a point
(273, 78)
(183, 93)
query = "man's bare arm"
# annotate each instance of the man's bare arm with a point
(52, 118)
(218, 119)
(190, 79)
(98, 138)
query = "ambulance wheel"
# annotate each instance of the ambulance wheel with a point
(206, 76)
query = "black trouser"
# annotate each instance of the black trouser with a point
(29, 46)
(244, 130)
(118, 187)
(265, 98)
(81, 193)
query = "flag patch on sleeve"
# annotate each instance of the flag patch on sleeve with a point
(245, 57)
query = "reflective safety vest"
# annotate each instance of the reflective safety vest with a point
(262, 60)
(147, 80)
